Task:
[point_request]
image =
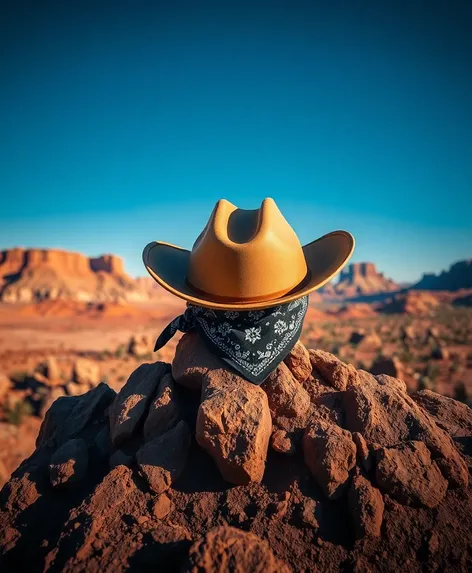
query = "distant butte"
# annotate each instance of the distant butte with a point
(34, 275)
(360, 279)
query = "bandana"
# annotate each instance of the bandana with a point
(252, 342)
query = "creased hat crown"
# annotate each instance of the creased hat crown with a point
(247, 255)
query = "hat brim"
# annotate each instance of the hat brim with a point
(168, 265)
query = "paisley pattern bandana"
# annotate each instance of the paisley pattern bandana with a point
(252, 342)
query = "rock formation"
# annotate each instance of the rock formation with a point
(32, 275)
(191, 468)
(459, 276)
(360, 279)
(410, 302)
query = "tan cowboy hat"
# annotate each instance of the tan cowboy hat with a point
(246, 260)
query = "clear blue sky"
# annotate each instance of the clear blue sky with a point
(124, 122)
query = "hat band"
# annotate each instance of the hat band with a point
(232, 300)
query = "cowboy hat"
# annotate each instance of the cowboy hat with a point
(247, 260)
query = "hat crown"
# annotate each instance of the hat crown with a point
(246, 255)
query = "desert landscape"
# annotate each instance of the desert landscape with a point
(78, 327)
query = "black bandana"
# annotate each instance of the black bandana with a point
(253, 342)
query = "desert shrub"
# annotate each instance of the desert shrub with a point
(104, 355)
(455, 367)
(405, 356)
(120, 352)
(425, 383)
(149, 357)
(432, 371)
(20, 377)
(16, 413)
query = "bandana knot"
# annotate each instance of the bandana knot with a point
(252, 342)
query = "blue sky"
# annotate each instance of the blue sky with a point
(124, 122)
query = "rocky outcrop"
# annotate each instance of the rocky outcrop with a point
(360, 279)
(377, 481)
(452, 416)
(33, 275)
(411, 302)
(459, 276)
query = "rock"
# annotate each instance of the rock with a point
(387, 416)
(162, 506)
(102, 442)
(360, 279)
(52, 395)
(387, 365)
(68, 416)
(68, 464)
(408, 334)
(49, 368)
(386, 380)
(133, 400)
(308, 514)
(338, 374)
(162, 460)
(20, 493)
(366, 507)
(298, 362)
(289, 404)
(74, 389)
(407, 473)
(411, 302)
(366, 342)
(432, 333)
(363, 454)
(278, 509)
(234, 426)
(192, 361)
(451, 415)
(330, 454)
(5, 386)
(356, 336)
(139, 346)
(86, 372)
(280, 442)
(286, 396)
(164, 412)
(121, 458)
(227, 549)
(440, 353)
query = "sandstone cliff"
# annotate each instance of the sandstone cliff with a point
(32, 275)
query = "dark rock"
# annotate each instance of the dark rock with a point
(162, 460)
(164, 412)
(133, 400)
(68, 465)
